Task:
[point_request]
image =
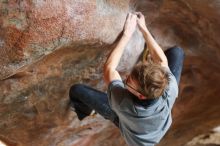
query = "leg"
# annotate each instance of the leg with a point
(85, 99)
(175, 57)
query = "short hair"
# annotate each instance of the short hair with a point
(152, 79)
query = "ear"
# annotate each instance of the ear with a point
(141, 96)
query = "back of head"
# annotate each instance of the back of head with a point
(152, 79)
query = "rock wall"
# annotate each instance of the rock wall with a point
(46, 46)
(30, 30)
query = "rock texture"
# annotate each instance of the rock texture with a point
(46, 46)
(211, 138)
(31, 30)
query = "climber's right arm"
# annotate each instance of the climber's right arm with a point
(154, 49)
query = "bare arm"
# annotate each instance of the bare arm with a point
(154, 49)
(110, 72)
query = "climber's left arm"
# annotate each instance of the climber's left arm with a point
(110, 72)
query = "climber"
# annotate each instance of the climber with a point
(140, 105)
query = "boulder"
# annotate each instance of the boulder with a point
(46, 46)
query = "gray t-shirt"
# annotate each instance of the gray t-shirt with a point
(142, 125)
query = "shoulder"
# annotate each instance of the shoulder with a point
(115, 92)
(115, 84)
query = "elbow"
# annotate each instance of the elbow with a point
(164, 63)
(108, 74)
(105, 68)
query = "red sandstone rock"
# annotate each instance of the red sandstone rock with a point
(46, 46)
(32, 29)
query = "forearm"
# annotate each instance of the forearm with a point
(155, 50)
(110, 72)
(115, 56)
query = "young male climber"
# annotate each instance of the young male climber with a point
(141, 105)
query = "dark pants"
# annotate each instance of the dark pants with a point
(85, 99)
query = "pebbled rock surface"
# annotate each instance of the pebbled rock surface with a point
(46, 46)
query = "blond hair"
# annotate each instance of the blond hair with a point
(152, 79)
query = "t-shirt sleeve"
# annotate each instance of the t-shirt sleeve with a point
(115, 93)
(171, 92)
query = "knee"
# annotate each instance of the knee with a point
(74, 90)
(177, 51)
